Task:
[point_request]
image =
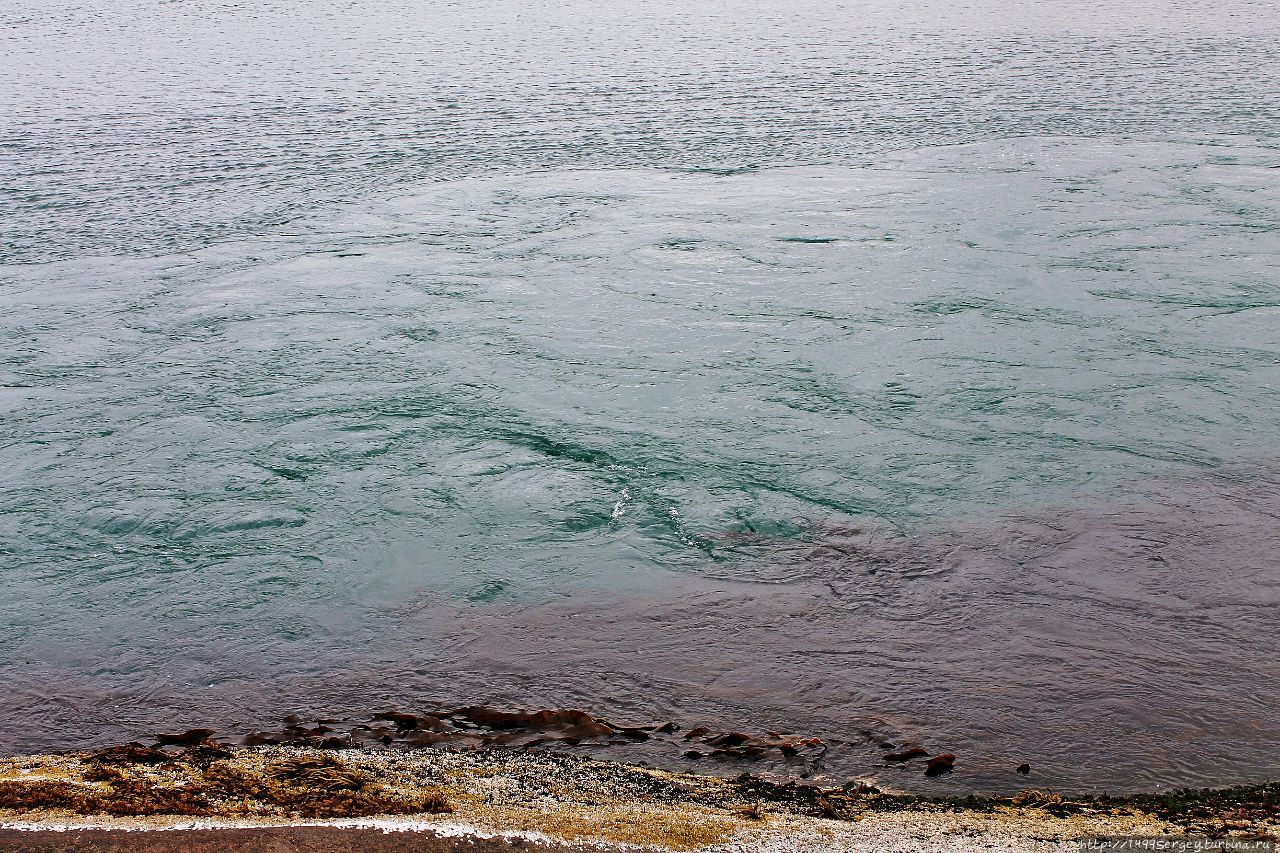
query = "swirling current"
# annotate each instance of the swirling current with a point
(891, 375)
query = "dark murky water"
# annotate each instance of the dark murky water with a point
(881, 375)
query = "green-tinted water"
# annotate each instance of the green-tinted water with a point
(363, 353)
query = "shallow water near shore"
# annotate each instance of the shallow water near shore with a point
(915, 415)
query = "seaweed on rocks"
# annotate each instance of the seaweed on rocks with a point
(530, 788)
(190, 784)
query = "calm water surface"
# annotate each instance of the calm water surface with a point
(836, 368)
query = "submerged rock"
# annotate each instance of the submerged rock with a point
(940, 765)
(190, 737)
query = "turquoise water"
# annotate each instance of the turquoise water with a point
(359, 353)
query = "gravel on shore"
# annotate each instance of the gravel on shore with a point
(208, 796)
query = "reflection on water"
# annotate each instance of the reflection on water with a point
(762, 401)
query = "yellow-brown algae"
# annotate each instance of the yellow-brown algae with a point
(560, 799)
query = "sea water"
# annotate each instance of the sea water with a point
(829, 367)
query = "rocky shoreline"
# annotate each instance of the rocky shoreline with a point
(204, 795)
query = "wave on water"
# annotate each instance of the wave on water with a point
(969, 447)
(1111, 648)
